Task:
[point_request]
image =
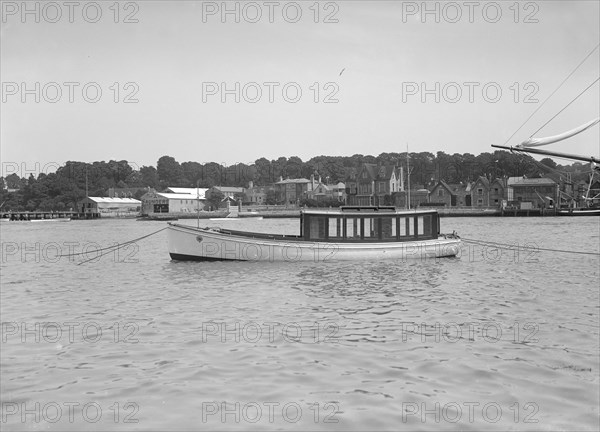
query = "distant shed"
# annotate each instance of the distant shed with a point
(110, 207)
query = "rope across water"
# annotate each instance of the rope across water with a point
(110, 249)
(512, 247)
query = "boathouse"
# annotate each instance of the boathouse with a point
(109, 207)
(532, 193)
(174, 200)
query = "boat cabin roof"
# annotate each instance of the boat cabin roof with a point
(365, 211)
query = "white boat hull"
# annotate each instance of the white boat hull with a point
(200, 244)
(51, 220)
(579, 212)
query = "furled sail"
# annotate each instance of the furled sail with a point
(535, 142)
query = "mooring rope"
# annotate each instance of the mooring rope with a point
(111, 248)
(532, 247)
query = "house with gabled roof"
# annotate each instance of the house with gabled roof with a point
(480, 192)
(451, 194)
(442, 193)
(371, 184)
(487, 193)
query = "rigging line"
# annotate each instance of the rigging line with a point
(118, 245)
(552, 94)
(99, 256)
(567, 106)
(507, 246)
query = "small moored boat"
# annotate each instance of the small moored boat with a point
(348, 233)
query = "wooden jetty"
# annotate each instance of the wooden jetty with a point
(43, 215)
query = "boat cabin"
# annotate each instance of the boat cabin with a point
(369, 224)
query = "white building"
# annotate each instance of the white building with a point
(174, 200)
(110, 207)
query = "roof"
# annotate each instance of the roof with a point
(520, 181)
(296, 181)
(370, 168)
(229, 189)
(483, 180)
(102, 200)
(365, 211)
(179, 196)
(389, 170)
(378, 172)
(188, 191)
(444, 185)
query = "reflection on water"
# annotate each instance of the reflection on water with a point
(484, 341)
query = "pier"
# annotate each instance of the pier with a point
(40, 215)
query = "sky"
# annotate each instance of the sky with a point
(153, 78)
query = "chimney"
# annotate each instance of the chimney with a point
(319, 179)
(312, 182)
(280, 178)
(250, 184)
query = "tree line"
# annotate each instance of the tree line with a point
(64, 188)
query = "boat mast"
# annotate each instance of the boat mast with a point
(198, 203)
(407, 179)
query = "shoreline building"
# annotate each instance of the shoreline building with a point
(374, 185)
(109, 207)
(174, 200)
(530, 193)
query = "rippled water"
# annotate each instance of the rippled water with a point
(490, 340)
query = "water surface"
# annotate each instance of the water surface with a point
(494, 339)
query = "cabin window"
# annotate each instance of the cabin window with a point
(352, 228)
(401, 227)
(335, 228)
(317, 227)
(420, 229)
(388, 228)
(369, 228)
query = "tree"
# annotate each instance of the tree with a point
(549, 163)
(293, 167)
(169, 172)
(271, 198)
(263, 175)
(149, 176)
(192, 172)
(214, 198)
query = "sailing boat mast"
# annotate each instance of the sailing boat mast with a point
(198, 203)
(407, 178)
